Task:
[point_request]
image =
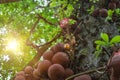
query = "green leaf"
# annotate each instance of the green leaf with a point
(98, 47)
(100, 42)
(115, 39)
(110, 13)
(97, 53)
(105, 37)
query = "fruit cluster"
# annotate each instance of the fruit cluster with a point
(55, 66)
(114, 66)
(113, 4)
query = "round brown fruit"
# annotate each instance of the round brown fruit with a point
(28, 70)
(95, 13)
(114, 17)
(43, 66)
(112, 6)
(48, 55)
(56, 72)
(58, 48)
(115, 64)
(22, 73)
(20, 77)
(36, 74)
(103, 13)
(68, 72)
(61, 58)
(29, 76)
(83, 77)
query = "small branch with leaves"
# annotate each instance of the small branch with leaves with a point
(41, 48)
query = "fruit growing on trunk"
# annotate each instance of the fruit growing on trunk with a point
(56, 72)
(36, 74)
(103, 13)
(28, 70)
(43, 66)
(115, 66)
(68, 72)
(20, 77)
(112, 5)
(61, 58)
(48, 55)
(95, 13)
(58, 48)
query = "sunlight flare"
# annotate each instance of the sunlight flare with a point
(13, 45)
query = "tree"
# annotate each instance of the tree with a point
(33, 23)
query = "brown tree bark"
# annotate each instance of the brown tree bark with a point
(8, 1)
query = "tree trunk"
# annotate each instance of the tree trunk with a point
(90, 29)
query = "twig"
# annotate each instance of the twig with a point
(40, 52)
(86, 72)
(41, 49)
(31, 31)
(54, 39)
(41, 17)
(104, 49)
(34, 25)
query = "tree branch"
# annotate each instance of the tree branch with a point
(40, 52)
(86, 72)
(41, 49)
(8, 1)
(44, 19)
(34, 25)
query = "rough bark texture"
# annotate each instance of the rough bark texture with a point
(90, 29)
